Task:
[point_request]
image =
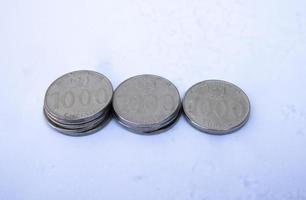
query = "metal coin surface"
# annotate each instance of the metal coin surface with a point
(78, 97)
(216, 107)
(146, 101)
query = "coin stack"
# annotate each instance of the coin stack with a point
(78, 103)
(146, 104)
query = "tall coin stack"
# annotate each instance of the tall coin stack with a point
(78, 103)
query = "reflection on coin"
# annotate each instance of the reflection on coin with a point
(216, 107)
(78, 102)
(146, 103)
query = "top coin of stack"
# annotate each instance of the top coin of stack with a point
(78, 103)
(146, 104)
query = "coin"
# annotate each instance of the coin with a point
(78, 96)
(78, 101)
(216, 107)
(146, 103)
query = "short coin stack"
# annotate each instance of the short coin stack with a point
(146, 104)
(78, 103)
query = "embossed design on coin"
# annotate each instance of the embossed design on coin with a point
(216, 107)
(78, 101)
(146, 103)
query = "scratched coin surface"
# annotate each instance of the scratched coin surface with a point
(146, 103)
(78, 101)
(216, 107)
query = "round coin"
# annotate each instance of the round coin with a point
(216, 107)
(78, 96)
(78, 101)
(146, 103)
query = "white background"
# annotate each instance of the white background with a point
(258, 45)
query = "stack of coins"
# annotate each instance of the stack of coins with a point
(78, 103)
(216, 107)
(146, 104)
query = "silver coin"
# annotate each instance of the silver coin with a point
(146, 102)
(216, 107)
(78, 103)
(78, 97)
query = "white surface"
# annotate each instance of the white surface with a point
(258, 45)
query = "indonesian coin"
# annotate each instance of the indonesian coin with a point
(216, 107)
(146, 102)
(78, 97)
